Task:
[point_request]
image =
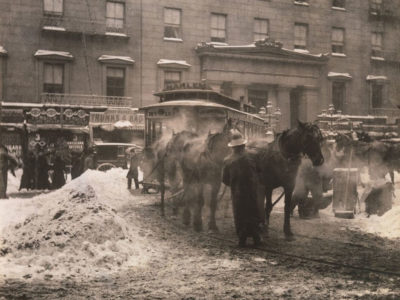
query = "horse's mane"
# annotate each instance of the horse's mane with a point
(212, 139)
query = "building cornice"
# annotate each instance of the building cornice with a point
(266, 50)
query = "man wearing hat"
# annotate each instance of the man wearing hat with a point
(240, 174)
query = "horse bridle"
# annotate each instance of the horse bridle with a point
(287, 155)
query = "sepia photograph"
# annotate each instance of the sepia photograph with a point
(199, 149)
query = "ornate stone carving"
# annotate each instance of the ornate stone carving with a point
(268, 42)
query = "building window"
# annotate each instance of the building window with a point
(338, 40)
(53, 7)
(338, 94)
(172, 77)
(376, 44)
(53, 78)
(260, 29)
(172, 23)
(300, 36)
(227, 88)
(377, 95)
(339, 3)
(218, 28)
(115, 15)
(375, 6)
(115, 82)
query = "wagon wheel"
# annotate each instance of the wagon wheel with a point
(105, 167)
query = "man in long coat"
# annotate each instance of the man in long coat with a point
(6, 162)
(240, 174)
(133, 172)
(89, 161)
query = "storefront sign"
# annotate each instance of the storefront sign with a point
(112, 117)
(12, 115)
(187, 85)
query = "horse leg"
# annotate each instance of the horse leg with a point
(162, 189)
(391, 173)
(268, 207)
(187, 201)
(198, 207)
(286, 225)
(215, 187)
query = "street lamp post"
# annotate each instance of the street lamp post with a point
(331, 111)
(269, 115)
(278, 115)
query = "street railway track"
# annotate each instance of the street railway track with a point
(266, 249)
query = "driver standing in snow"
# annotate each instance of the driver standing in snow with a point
(133, 172)
(240, 174)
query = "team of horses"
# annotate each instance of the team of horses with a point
(192, 162)
(189, 162)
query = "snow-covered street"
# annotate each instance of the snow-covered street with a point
(95, 230)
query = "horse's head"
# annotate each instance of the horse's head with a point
(311, 140)
(217, 145)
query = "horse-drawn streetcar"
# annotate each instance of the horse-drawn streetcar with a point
(198, 110)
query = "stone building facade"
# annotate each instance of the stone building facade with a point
(310, 53)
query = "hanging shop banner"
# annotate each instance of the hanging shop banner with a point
(114, 116)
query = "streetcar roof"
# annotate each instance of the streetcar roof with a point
(195, 103)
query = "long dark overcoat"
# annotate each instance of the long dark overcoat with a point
(240, 174)
(133, 167)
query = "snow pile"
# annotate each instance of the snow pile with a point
(76, 230)
(387, 225)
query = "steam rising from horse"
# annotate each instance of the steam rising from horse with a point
(197, 161)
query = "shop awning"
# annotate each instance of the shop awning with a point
(73, 129)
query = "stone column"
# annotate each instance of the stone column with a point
(283, 101)
(312, 104)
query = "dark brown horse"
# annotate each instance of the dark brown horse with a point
(279, 162)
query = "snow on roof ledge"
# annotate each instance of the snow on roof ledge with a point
(2, 50)
(123, 124)
(61, 54)
(174, 63)
(114, 58)
(374, 77)
(54, 28)
(303, 52)
(339, 75)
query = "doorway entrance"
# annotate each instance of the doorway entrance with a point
(295, 101)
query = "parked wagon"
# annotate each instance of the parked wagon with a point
(113, 155)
